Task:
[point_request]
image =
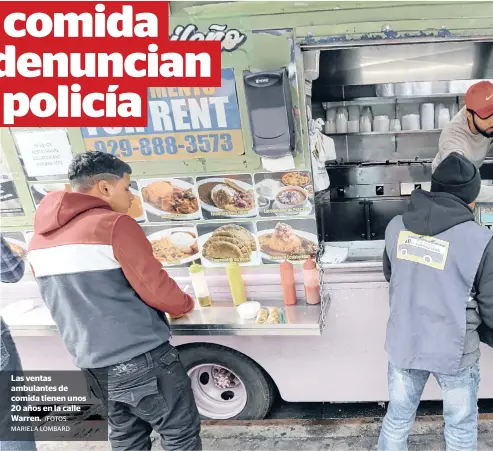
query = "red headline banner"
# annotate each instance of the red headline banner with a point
(85, 64)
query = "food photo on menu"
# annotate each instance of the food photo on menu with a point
(136, 210)
(170, 199)
(221, 243)
(175, 245)
(10, 204)
(284, 193)
(17, 243)
(40, 190)
(231, 196)
(292, 239)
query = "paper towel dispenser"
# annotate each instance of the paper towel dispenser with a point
(270, 111)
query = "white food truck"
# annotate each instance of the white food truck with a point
(343, 63)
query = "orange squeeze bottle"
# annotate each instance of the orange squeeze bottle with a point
(287, 282)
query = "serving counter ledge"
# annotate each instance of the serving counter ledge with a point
(224, 320)
(27, 315)
(214, 320)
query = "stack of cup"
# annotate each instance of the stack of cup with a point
(427, 111)
(454, 109)
(330, 121)
(422, 88)
(353, 122)
(443, 117)
(381, 124)
(439, 107)
(366, 120)
(341, 120)
(385, 90)
(395, 125)
(410, 122)
(404, 89)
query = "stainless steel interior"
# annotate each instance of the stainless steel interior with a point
(375, 172)
(407, 62)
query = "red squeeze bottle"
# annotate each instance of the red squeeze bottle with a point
(287, 282)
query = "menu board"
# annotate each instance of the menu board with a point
(10, 204)
(136, 210)
(170, 199)
(4, 165)
(233, 241)
(293, 239)
(251, 219)
(183, 123)
(173, 245)
(231, 196)
(285, 193)
(40, 190)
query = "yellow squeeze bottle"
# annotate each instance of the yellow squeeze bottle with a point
(236, 284)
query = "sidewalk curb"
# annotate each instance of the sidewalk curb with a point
(340, 428)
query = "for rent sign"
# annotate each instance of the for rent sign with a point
(183, 123)
(90, 63)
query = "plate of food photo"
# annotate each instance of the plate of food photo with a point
(296, 179)
(285, 242)
(292, 200)
(227, 197)
(136, 210)
(268, 188)
(176, 246)
(226, 243)
(16, 246)
(45, 189)
(171, 198)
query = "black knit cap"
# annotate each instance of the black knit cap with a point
(458, 176)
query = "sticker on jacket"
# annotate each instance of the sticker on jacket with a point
(425, 250)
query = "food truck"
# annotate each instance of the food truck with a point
(226, 173)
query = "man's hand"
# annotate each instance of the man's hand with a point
(175, 317)
(145, 274)
(181, 316)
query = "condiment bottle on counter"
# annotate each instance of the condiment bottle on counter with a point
(287, 282)
(311, 281)
(236, 284)
(199, 284)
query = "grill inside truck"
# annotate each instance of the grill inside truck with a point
(385, 107)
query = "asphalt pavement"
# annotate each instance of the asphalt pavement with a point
(337, 434)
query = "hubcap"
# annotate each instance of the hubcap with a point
(219, 393)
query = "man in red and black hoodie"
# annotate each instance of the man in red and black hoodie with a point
(107, 295)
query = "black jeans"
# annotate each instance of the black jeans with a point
(10, 366)
(151, 391)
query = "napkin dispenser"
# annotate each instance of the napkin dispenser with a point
(270, 109)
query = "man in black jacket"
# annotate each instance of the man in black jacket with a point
(439, 263)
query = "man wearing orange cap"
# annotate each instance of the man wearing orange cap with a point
(470, 132)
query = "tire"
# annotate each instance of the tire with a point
(252, 399)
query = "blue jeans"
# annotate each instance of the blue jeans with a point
(460, 407)
(10, 364)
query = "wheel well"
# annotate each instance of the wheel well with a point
(222, 347)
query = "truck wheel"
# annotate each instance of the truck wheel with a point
(227, 384)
